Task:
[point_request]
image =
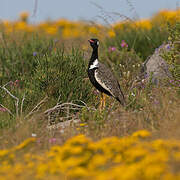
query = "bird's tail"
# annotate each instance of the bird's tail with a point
(121, 98)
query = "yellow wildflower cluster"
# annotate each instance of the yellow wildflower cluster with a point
(136, 157)
(68, 29)
(144, 24)
(167, 16)
(161, 18)
(63, 27)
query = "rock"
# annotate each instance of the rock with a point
(155, 67)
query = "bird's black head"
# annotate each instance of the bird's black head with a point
(94, 43)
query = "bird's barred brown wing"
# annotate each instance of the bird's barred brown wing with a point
(105, 77)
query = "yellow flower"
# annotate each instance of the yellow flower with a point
(24, 144)
(154, 171)
(135, 154)
(24, 16)
(3, 153)
(66, 33)
(18, 168)
(159, 157)
(20, 26)
(118, 158)
(5, 167)
(78, 172)
(141, 134)
(73, 162)
(62, 22)
(144, 24)
(43, 26)
(52, 30)
(82, 124)
(169, 15)
(98, 160)
(41, 170)
(93, 30)
(165, 16)
(111, 33)
(80, 139)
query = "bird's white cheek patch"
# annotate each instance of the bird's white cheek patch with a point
(94, 65)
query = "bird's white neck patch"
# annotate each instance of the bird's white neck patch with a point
(94, 65)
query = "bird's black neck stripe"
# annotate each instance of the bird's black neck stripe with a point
(94, 56)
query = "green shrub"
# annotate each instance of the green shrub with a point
(143, 41)
(42, 69)
(173, 55)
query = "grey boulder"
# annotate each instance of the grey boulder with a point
(155, 67)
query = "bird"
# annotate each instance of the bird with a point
(102, 77)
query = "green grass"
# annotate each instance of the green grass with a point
(43, 69)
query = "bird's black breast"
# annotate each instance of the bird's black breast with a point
(91, 74)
